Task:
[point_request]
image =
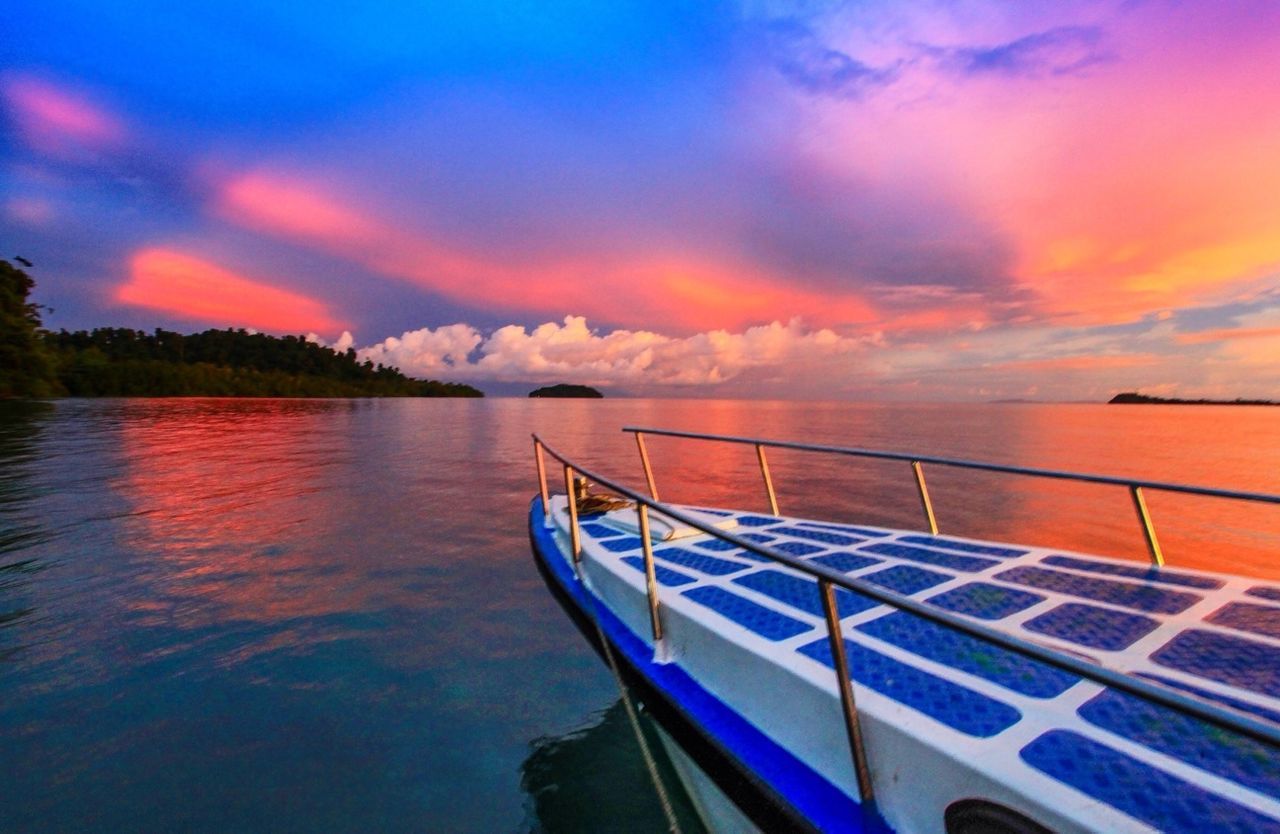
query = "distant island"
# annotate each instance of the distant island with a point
(566, 390)
(119, 362)
(1132, 398)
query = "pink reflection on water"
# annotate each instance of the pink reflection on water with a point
(232, 502)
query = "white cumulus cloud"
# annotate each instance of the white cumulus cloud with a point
(573, 352)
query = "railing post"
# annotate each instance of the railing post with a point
(853, 730)
(648, 470)
(768, 481)
(542, 482)
(575, 536)
(650, 573)
(925, 503)
(1148, 528)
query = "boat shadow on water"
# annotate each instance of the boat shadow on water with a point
(602, 778)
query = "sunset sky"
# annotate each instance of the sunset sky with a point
(961, 200)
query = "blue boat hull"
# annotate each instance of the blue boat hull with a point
(776, 791)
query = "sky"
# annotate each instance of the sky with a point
(957, 200)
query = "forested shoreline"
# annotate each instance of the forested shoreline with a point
(121, 362)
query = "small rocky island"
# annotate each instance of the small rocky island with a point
(566, 390)
(1132, 398)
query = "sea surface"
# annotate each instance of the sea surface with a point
(304, 615)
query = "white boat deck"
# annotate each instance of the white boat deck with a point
(947, 716)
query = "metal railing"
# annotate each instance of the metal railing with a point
(828, 579)
(1134, 485)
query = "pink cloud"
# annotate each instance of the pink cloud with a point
(1079, 363)
(30, 211)
(1140, 179)
(681, 291)
(57, 120)
(196, 290)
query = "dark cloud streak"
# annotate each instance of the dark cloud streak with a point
(1064, 50)
(801, 57)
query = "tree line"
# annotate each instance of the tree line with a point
(120, 362)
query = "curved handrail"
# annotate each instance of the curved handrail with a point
(1229, 719)
(967, 464)
(1134, 485)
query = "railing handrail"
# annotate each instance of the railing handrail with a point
(1219, 716)
(1165, 486)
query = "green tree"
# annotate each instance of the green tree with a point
(26, 369)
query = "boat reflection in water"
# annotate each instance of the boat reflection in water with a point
(600, 778)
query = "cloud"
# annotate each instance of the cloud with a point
(1079, 362)
(1060, 51)
(572, 352)
(685, 292)
(59, 121)
(805, 61)
(196, 290)
(30, 211)
(1175, 208)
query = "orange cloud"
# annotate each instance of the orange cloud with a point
(1142, 183)
(1079, 363)
(53, 119)
(190, 288)
(1228, 334)
(678, 291)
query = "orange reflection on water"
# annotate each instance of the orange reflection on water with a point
(1228, 447)
(231, 501)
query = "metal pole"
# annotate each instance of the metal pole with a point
(542, 481)
(768, 481)
(924, 497)
(650, 574)
(1148, 529)
(648, 470)
(575, 537)
(852, 728)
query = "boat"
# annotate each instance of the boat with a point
(819, 675)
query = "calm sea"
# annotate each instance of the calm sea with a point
(292, 615)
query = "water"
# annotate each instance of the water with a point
(291, 615)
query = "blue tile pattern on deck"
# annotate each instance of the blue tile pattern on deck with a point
(1248, 616)
(1148, 574)
(758, 538)
(797, 548)
(621, 545)
(758, 520)
(1089, 625)
(967, 547)
(949, 703)
(1159, 799)
(819, 536)
(1235, 661)
(802, 593)
(698, 561)
(1127, 594)
(665, 576)
(906, 579)
(845, 562)
(989, 602)
(930, 557)
(600, 531)
(868, 532)
(763, 621)
(1198, 743)
(716, 544)
(1243, 706)
(969, 654)
(1264, 592)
